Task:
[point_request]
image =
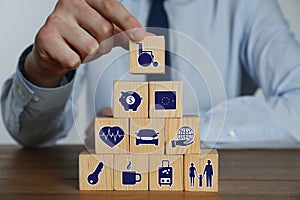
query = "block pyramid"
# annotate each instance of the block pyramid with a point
(148, 144)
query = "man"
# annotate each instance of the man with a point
(37, 102)
(208, 170)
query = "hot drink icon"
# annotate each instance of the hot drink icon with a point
(130, 177)
(130, 100)
(145, 58)
(93, 177)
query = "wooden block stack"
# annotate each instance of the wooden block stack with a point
(148, 144)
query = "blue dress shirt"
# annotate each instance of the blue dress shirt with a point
(251, 34)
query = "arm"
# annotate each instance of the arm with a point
(270, 54)
(34, 116)
(35, 102)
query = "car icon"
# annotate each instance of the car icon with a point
(146, 136)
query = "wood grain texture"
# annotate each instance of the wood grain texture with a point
(100, 146)
(165, 86)
(156, 124)
(132, 166)
(175, 162)
(172, 128)
(201, 162)
(52, 173)
(141, 88)
(88, 162)
(156, 44)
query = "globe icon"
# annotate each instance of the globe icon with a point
(185, 133)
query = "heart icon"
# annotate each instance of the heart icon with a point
(111, 135)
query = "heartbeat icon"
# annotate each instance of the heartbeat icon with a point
(111, 136)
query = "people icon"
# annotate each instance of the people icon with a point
(192, 174)
(200, 177)
(208, 170)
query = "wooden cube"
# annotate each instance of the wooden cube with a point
(130, 172)
(147, 135)
(130, 99)
(95, 171)
(201, 171)
(111, 135)
(166, 172)
(183, 135)
(165, 99)
(148, 56)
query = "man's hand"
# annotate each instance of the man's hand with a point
(74, 34)
(105, 112)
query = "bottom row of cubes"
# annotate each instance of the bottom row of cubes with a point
(189, 172)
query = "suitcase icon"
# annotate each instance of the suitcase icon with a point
(165, 174)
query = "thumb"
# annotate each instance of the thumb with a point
(121, 37)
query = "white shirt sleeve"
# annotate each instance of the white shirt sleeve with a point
(270, 53)
(35, 116)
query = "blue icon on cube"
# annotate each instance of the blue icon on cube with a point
(185, 137)
(111, 136)
(165, 100)
(130, 177)
(146, 136)
(208, 171)
(130, 100)
(145, 58)
(93, 177)
(165, 174)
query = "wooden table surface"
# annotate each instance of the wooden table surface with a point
(53, 174)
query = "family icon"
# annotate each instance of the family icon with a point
(208, 171)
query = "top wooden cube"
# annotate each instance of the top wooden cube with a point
(148, 56)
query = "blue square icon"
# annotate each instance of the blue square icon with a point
(165, 100)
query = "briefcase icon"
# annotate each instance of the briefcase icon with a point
(165, 174)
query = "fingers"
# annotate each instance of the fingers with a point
(94, 23)
(80, 40)
(88, 26)
(104, 48)
(105, 112)
(121, 38)
(51, 48)
(117, 14)
(79, 31)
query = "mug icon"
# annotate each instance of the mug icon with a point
(131, 177)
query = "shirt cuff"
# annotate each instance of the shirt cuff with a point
(38, 98)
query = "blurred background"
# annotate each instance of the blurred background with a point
(20, 20)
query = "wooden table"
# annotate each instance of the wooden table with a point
(53, 174)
